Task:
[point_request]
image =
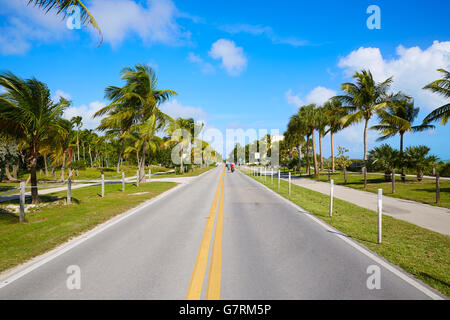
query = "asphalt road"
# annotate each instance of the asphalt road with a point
(240, 241)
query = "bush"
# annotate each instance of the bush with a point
(78, 165)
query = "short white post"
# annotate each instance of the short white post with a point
(380, 213)
(279, 174)
(149, 175)
(103, 185)
(271, 176)
(69, 191)
(123, 181)
(289, 183)
(22, 202)
(137, 178)
(331, 197)
(265, 174)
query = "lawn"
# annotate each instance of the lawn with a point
(421, 252)
(54, 223)
(424, 191)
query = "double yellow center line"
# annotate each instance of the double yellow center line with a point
(215, 270)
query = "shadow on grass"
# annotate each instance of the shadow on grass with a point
(431, 278)
(8, 217)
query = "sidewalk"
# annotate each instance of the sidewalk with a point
(426, 216)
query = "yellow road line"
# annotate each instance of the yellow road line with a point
(196, 284)
(215, 270)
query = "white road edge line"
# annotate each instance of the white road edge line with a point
(358, 247)
(11, 275)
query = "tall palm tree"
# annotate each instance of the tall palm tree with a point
(184, 143)
(321, 129)
(309, 116)
(333, 113)
(398, 118)
(62, 5)
(363, 99)
(294, 137)
(77, 121)
(141, 92)
(29, 114)
(442, 87)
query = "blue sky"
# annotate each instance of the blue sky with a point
(245, 64)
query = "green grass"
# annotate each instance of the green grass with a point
(49, 226)
(424, 191)
(194, 173)
(421, 252)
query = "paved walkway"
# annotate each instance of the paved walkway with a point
(426, 216)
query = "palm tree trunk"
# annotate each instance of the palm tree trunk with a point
(78, 145)
(299, 149)
(401, 157)
(365, 141)
(316, 167)
(308, 166)
(332, 151)
(62, 166)
(181, 161)
(142, 163)
(90, 154)
(8, 174)
(34, 190)
(16, 169)
(120, 155)
(321, 151)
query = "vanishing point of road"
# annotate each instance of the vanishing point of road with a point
(221, 236)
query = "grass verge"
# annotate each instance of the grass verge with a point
(54, 223)
(421, 252)
(411, 189)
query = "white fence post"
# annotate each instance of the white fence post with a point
(22, 202)
(331, 197)
(123, 181)
(103, 185)
(271, 176)
(149, 175)
(69, 191)
(265, 174)
(289, 183)
(380, 213)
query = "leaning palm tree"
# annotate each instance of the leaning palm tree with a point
(62, 5)
(442, 87)
(398, 119)
(333, 113)
(309, 116)
(363, 99)
(29, 114)
(142, 95)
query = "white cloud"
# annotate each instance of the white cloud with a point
(155, 23)
(412, 69)
(318, 95)
(86, 112)
(263, 30)
(233, 58)
(26, 23)
(60, 93)
(175, 109)
(205, 67)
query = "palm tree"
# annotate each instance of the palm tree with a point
(63, 5)
(77, 121)
(441, 86)
(363, 99)
(294, 137)
(417, 157)
(333, 113)
(321, 128)
(398, 119)
(142, 93)
(179, 129)
(385, 158)
(29, 114)
(309, 116)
